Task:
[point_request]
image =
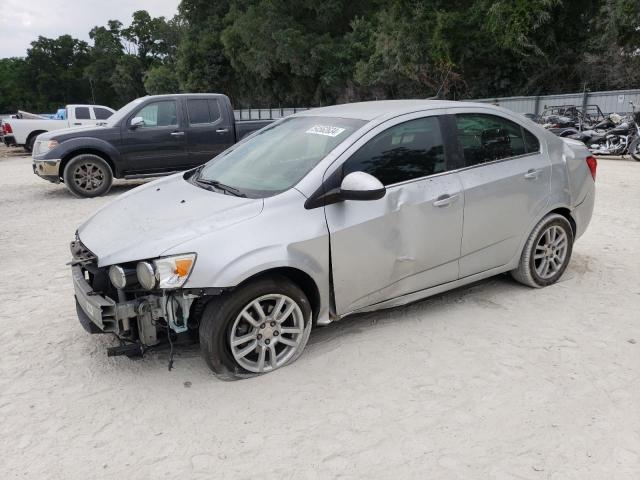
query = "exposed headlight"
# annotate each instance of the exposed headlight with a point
(43, 146)
(121, 277)
(167, 272)
(146, 275)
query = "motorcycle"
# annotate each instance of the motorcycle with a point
(613, 136)
(634, 141)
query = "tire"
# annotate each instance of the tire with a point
(87, 175)
(225, 318)
(28, 147)
(545, 242)
(634, 149)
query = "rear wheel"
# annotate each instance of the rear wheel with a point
(634, 149)
(29, 145)
(256, 329)
(88, 175)
(547, 252)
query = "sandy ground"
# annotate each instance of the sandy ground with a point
(493, 381)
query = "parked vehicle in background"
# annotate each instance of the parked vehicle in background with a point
(3, 128)
(23, 131)
(151, 136)
(615, 135)
(328, 213)
(565, 120)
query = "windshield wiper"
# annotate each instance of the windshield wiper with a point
(221, 186)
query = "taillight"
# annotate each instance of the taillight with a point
(592, 163)
(7, 128)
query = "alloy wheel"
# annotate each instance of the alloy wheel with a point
(267, 333)
(551, 252)
(88, 176)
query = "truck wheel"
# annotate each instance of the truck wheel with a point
(28, 147)
(87, 175)
(547, 252)
(255, 329)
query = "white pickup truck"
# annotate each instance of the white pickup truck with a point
(23, 131)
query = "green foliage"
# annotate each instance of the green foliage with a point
(305, 52)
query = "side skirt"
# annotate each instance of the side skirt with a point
(421, 294)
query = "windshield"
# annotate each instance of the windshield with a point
(123, 112)
(278, 157)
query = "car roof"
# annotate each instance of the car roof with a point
(371, 110)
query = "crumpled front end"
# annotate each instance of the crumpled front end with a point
(139, 318)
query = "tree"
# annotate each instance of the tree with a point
(202, 65)
(54, 72)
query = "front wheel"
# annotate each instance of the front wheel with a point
(257, 328)
(87, 175)
(547, 252)
(634, 149)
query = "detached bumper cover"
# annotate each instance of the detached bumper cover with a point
(47, 169)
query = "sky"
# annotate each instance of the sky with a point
(21, 21)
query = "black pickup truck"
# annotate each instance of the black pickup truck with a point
(151, 136)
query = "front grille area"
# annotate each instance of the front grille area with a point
(98, 278)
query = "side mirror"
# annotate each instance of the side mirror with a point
(137, 122)
(361, 186)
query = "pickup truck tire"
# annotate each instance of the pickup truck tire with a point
(239, 341)
(547, 252)
(87, 175)
(30, 141)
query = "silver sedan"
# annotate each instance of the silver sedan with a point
(325, 214)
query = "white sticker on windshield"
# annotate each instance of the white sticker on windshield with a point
(327, 130)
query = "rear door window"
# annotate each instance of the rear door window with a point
(214, 109)
(82, 113)
(531, 141)
(485, 138)
(203, 111)
(406, 151)
(101, 113)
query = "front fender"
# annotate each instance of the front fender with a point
(68, 147)
(283, 235)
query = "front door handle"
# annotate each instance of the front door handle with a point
(177, 134)
(532, 174)
(445, 200)
(77, 123)
(222, 130)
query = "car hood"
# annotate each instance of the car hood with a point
(155, 217)
(64, 133)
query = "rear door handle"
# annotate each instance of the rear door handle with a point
(222, 130)
(532, 174)
(77, 123)
(177, 134)
(445, 200)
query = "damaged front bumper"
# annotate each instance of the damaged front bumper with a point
(47, 169)
(143, 320)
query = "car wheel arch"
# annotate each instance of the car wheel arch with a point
(32, 137)
(560, 209)
(297, 276)
(74, 153)
(566, 213)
